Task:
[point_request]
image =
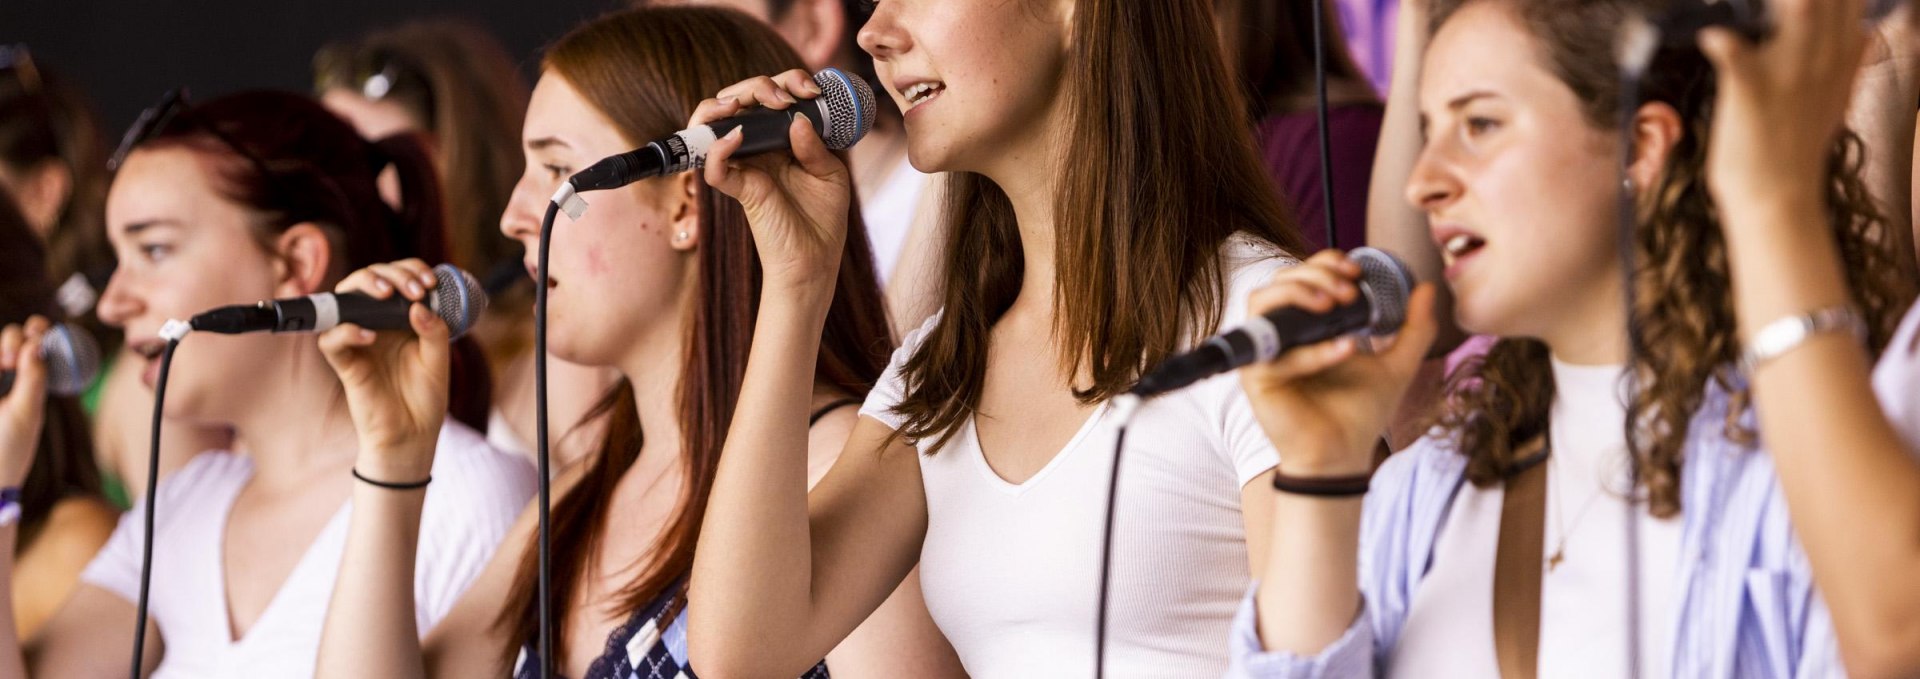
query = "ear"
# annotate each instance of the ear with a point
(304, 258)
(43, 192)
(1656, 130)
(816, 29)
(683, 204)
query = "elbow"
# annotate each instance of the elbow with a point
(716, 658)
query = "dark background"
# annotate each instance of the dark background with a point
(126, 53)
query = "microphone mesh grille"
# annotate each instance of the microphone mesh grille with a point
(457, 299)
(1387, 284)
(849, 104)
(73, 358)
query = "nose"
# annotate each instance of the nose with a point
(882, 35)
(521, 220)
(1433, 184)
(118, 303)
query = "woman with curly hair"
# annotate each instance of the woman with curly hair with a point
(1594, 497)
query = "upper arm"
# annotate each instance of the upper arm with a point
(92, 636)
(47, 573)
(868, 517)
(1256, 516)
(467, 643)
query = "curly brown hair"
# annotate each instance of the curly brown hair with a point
(1681, 323)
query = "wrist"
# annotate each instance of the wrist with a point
(395, 465)
(1323, 459)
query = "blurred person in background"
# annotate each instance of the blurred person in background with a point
(1269, 43)
(54, 163)
(64, 518)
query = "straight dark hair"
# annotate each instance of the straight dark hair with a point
(633, 66)
(1269, 44)
(1161, 177)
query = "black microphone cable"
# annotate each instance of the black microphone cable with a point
(173, 332)
(566, 198)
(1326, 135)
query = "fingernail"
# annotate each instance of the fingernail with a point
(415, 288)
(802, 117)
(366, 335)
(383, 285)
(735, 134)
(787, 97)
(812, 87)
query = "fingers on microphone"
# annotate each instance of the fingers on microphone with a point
(396, 276)
(1308, 360)
(714, 109)
(760, 90)
(810, 150)
(719, 170)
(1417, 334)
(799, 83)
(433, 334)
(11, 339)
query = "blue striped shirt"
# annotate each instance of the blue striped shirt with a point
(1747, 606)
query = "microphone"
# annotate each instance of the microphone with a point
(72, 357)
(1686, 18)
(456, 299)
(842, 114)
(1384, 286)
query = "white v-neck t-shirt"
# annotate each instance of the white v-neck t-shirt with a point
(476, 494)
(1584, 610)
(1011, 572)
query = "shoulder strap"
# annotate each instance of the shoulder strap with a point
(828, 408)
(1516, 570)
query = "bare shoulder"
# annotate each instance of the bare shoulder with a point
(82, 521)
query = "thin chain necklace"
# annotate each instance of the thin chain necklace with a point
(1560, 515)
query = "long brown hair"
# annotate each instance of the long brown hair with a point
(63, 463)
(1682, 324)
(1161, 177)
(288, 160)
(634, 67)
(464, 88)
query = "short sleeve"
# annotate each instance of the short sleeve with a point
(1250, 451)
(1896, 380)
(477, 494)
(892, 387)
(116, 567)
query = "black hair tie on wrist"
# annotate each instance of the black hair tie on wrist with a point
(416, 485)
(1329, 486)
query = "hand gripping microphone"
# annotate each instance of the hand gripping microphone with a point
(72, 357)
(841, 115)
(456, 299)
(1384, 286)
(1685, 18)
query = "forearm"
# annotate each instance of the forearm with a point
(1310, 589)
(13, 663)
(753, 572)
(370, 629)
(1839, 459)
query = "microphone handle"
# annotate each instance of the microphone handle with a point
(321, 312)
(766, 131)
(1261, 339)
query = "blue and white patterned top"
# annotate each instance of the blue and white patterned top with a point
(652, 644)
(1747, 606)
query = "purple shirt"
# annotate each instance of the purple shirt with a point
(1290, 148)
(1368, 26)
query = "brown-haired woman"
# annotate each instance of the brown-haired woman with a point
(1269, 43)
(64, 518)
(1654, 538)
(452, 81)
(53, 161)
(1105, 210)
(254, 196)
(660, 281)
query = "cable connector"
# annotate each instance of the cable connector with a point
(569, 200)
(175, 330)
(1124, 406)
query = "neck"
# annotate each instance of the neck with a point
(653, 370)
(1030, 180)
(301, 429)
(1591, 333)
(876, 157)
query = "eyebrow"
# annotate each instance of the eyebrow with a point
(1456, 104)
(138, 227)
(546, 142)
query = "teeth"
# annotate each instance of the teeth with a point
(920, 92)
(1461, 244)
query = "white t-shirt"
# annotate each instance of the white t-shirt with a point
(1583, 599)
(1011, 573)
(476, 494)
(888, 213)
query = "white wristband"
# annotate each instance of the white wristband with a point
(1786, 334)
